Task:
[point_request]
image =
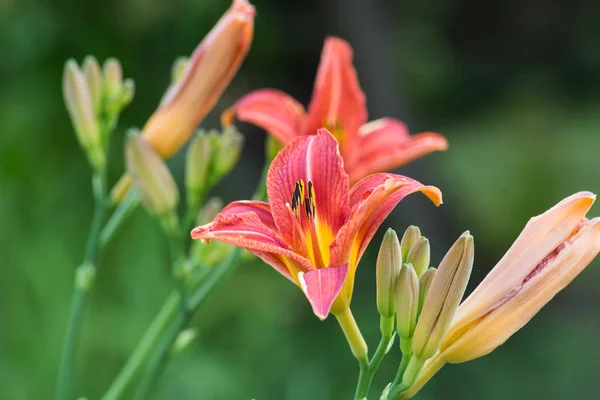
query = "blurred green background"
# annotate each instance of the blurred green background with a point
(514, 85)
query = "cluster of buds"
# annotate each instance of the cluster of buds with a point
(423, 299)
(210, 157)
(94, 98)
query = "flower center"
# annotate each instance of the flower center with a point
(311, 238)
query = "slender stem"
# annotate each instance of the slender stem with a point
(158, 360)
(123, 210)
(398, 386)
(84, 280)
(145, 347)
(366, 376)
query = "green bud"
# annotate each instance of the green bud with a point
(183, 340)
(128, 92)
(228, 152)
(444, 295)
(389, 262)
(113, 78)
(197, 168)
(179, 68)
(93, 76)
(411, 235)
(407, 301)
(211, 208)
(419, 255)
(151, 177)
(424, 284)
(272, 147)
(80, 106)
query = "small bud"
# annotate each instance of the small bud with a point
(211, 208)
(407, 301)
(445, 293)
(411, 235)
(183, 340)
(80, 106)
(179, 68)
(419, 255)
(93, 76)
(197, 165)
(272, 148)
(151, 177)
(113, 78)
(424, 284)
(128, 92)
(389, 262)
(228, 152)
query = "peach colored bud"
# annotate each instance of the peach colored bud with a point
(211, 67)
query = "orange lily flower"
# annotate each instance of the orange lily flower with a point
(338, 104)
(315, 228)
(549, 253)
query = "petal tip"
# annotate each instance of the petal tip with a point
(321, 287)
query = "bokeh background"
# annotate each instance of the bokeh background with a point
(514, 85)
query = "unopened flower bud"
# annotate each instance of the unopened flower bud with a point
(424, 284)
(151, 177)
(409, 238)
(93, 76)
(407, 301)
(197, 165)
(211, 208)
(179, 68)
(389, 262)
(80, 106)
(444, 295)
(419, 255)
(228, 152)
(128, 92)
(113, 78)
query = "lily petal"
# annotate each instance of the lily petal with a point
(386, 144)
(314, 158)
(274, 111)
(322, 286)
(372, 199)
(252, 230)
(338, 101)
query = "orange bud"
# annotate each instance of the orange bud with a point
(211, 67)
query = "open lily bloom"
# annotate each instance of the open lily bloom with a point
(338, 104)
(550, 252)
(315, 228)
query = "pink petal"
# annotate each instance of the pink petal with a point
(372, 199)
(322, 286)
(338, 101)
(274, 111)
(314, 158)
(385, 144)
(250, 229)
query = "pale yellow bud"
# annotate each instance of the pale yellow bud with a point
(151, 177)
(444, 295)
(228, 152)
(128, 92)
(211, 208)
(197, 167)
(80, 106)
(424, 284)
(93, 76)
(407, 301)
(389, 262)
(179, 68)
(409, 238)
(419, 255)
(113, 78)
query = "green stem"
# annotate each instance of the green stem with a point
(84, 280)
(123, 210)
(366, 375)
(145, 347)
(158, 360)
(397, 385)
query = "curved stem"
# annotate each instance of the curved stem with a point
(145, 346)
(123, 210)
(84, 280)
